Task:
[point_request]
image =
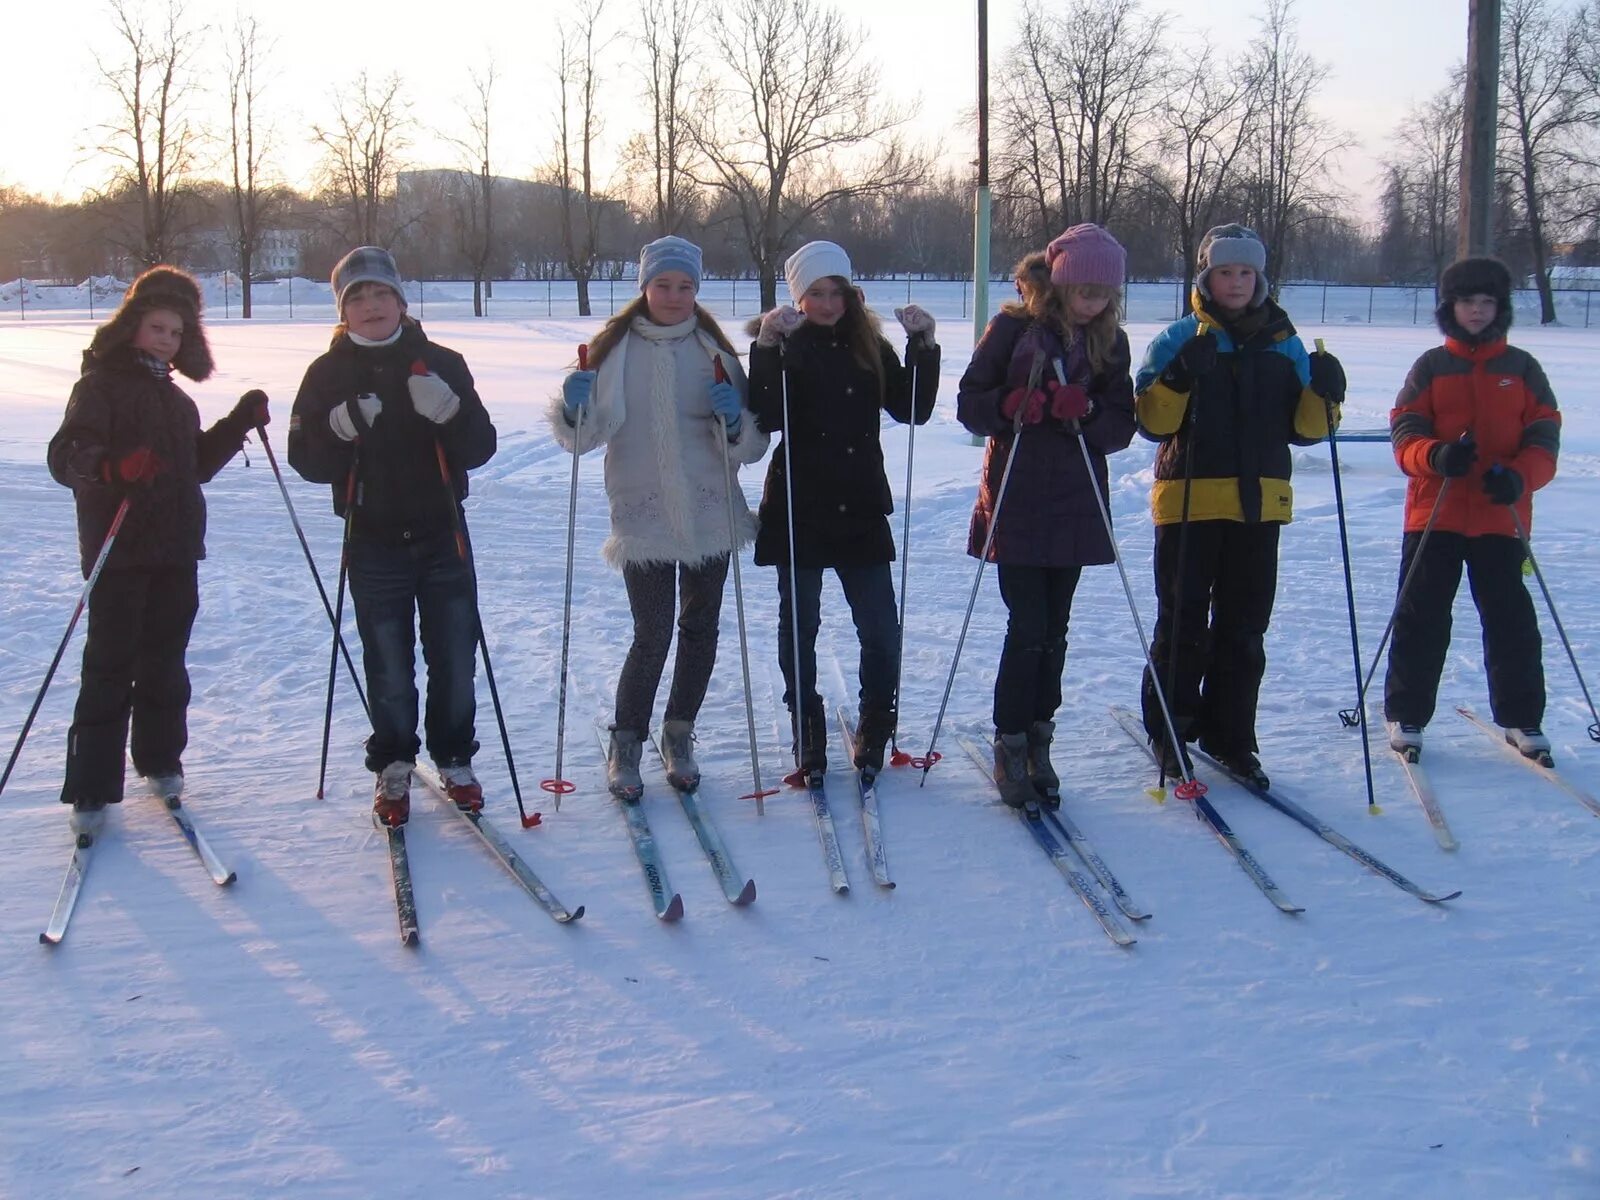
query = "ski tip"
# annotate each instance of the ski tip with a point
(841, 889)
(886, 884)
(46, 940)
(748, 895)
(1442, 899)
(233, 877)
(575, 915)
(674, 909)
(410, 937)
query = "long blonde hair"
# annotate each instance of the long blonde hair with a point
(616, 329)
(1041, 300)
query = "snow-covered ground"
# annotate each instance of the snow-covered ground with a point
(970, 1034)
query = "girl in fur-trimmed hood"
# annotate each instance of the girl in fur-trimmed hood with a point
(674, 434)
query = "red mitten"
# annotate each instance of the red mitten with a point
(1068, 402)
(1030, 402)
(139, 466)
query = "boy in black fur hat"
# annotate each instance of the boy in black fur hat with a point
(1477, 430)
(131, 434)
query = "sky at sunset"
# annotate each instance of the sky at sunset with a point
(1383, 56)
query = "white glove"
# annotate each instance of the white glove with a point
(344, 425)
(915, 319)
(779, 324)
(432, 398)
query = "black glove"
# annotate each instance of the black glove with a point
(1327, 377)
(1193, 359)
(251, 411)
(1454, 459)
(1502, 485)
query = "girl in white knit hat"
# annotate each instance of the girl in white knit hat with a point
(652, 397)
(841, 375)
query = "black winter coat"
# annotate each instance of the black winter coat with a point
(1049, 517)
(118, 406)
(841, 494)
(400, 495)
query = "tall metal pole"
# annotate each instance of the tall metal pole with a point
(980, 213)
(1475, 216)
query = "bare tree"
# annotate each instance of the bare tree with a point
(1426, 171)
(475, 204)
(1544, 106)
(151, 138)
(1208, 118)
(791, 101)
(254, 201)
(577, 73)
(664, 31)
(1291, 147)
(363, 145)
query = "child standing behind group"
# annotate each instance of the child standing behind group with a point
(675, 436)
(1226, 391)
(1050, 527)
(131, 435)
(841, 376)
(1477, 431)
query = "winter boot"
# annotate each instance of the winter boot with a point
(1244, 765)
(87, 820)
(1011, 769)
(812, 747)
(677, 748)
(1045, 780)
(391, 800)
(871, 736)
(1172, 765)
(1405, 739)
(622, 765)
(1530, 742)
(166, 787)
(462, 787)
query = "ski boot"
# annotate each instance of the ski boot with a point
(462, 787)
(391, 799)
(1040, 770)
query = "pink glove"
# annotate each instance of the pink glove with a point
(779, 324)
(1068, 402)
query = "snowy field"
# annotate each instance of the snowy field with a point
(972, 1033)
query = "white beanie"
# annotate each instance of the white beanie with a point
(814, 261)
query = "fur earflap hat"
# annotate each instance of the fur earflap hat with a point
(1232, 245)
(1475, 277)
(161, 287)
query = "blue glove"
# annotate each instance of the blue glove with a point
(576, 391)
(726, 404)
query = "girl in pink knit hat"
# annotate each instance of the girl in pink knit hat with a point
(1068, 312)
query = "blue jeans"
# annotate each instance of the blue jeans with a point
(870, 593)
(390, 586)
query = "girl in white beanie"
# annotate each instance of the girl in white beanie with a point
(842, 375)
(652, 398)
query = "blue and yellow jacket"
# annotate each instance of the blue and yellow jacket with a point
(1247, 412)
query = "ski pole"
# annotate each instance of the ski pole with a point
(1527, 548)
(1189, 788)
(1035, 372)
(1180, 750)
(465, 554)
(798, 707)
(316, 576)
(1349, 591)
(338, 619)
(731, 480)
(1349, 716)
(557, 785)
(897, 756)
(77, 611)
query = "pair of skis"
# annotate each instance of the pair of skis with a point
(83, 854)
(405, 902)
(1542, 765)
(1247, 862)
(667, 903)
(815, 784)
(1055, 832)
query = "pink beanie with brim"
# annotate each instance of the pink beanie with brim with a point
(1086, 254)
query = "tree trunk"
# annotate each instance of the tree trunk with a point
(583, 296)
(767, 273)
(245, 261)
(477, 294)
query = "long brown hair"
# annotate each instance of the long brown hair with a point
(863, 331)
(616, 329)
(1041, 300)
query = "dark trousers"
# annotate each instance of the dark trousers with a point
(869, 591)
(1027, 687)
(699, 605)
(133, 671)
(1212, 654)
(1511, 643)
(391, 586)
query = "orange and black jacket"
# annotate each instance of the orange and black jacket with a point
(1246, 413)
(1500, 395)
